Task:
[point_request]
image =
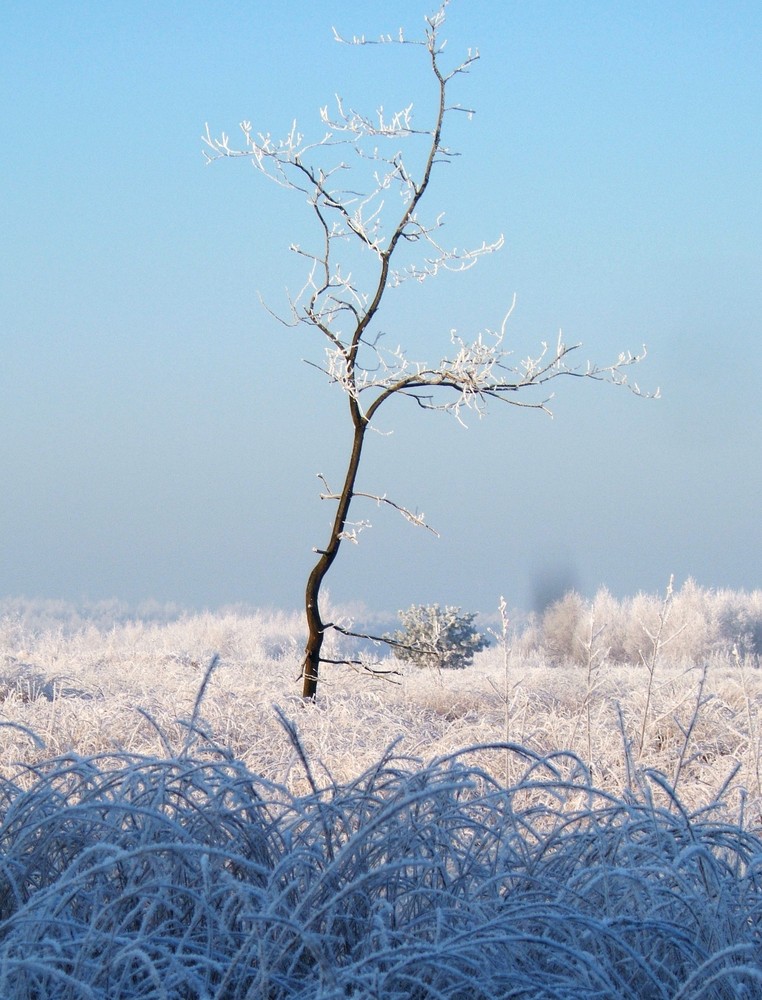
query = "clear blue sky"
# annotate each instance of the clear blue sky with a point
(160, 433)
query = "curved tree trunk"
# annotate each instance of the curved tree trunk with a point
(315, 624)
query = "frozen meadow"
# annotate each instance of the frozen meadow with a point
(578, 814)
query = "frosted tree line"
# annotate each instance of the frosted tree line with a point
(701, 623)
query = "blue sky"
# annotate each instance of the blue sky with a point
(161, 435)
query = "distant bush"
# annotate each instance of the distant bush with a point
(561, 627)
(432, 636)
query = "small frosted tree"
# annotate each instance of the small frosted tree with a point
(563, 626)
(436, 637)
(369, 237)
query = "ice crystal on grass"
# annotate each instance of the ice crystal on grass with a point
(125, 876)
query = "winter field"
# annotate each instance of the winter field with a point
(577, 814)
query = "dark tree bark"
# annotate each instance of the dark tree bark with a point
(315, 624)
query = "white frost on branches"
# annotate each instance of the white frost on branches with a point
(361, 224)
(364, 180)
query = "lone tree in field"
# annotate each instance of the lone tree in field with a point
(370, 236)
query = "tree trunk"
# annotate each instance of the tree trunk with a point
(315, 624)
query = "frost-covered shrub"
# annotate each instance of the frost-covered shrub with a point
(561, 628)
(432, 636)
(740, 622)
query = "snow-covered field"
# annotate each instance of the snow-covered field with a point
(168, 830)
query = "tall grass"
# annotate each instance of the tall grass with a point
(189, 876)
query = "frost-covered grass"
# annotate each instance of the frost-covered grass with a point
(155, 843)
(189, 876)
(91, 689)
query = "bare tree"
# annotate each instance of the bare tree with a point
(371, 238)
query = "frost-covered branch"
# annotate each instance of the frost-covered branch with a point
(378, 211)
(413, 517)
